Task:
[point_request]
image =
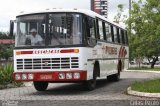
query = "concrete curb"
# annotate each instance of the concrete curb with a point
(142, 71)
(142, 94)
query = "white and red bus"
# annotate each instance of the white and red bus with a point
(78, 46)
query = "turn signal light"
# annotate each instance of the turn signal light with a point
(70, 51)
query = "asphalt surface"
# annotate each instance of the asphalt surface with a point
(105, 94)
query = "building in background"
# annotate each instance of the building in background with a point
(100, 7)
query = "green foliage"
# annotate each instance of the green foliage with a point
(6, 75)
(6, 51)
(5, 35)
(151, 86)
(144, 24)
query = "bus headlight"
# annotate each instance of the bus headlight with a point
(17, 76)
(24, 76)
(30, 76)
(76, 75)
(61, 76)
(68, 75)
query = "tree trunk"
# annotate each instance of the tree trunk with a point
(152, 65)
(139, 65)
(154, 61)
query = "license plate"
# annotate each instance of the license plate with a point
(45, 77)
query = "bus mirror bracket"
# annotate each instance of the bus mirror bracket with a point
(11, 29)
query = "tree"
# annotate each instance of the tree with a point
(5, 35)
(120, 17)
(6, 51)
(145, 25)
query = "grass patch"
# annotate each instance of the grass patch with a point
(144, 68)
(150, 86)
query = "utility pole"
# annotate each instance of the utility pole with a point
(129, 33)
(129, 8)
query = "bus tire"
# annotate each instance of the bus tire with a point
(114, 77)
(91, 84)
(40, 86)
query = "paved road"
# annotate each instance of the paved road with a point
(106, 93)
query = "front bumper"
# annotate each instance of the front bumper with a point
(55, 76)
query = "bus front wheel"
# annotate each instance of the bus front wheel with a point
(91, 84)
(40, 86)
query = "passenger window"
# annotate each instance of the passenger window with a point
(91, 37)
(112, 33)
(91, 28)
(126, 37)
(108, 32)
(104, 30)
(100, 29)
(115, 34)
(119, 35)
(123, 39)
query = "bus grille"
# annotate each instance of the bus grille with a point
(48, 63)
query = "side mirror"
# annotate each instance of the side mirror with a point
(11, 28)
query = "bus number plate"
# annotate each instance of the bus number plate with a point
(46, 77)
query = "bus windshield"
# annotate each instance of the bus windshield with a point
(53, 29)
(31, 30)
(65, 29)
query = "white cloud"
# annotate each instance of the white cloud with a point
(10, 8)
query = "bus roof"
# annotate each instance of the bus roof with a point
(83, 11)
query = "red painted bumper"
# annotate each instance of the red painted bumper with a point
(51, 76)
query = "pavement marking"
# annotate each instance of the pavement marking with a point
(142, 71)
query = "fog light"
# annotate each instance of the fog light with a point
(76, 75)
(30, 76)
(61, 76)
(17, 76)
(24, 76)
(68, 75)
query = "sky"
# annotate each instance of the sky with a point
(10, 8)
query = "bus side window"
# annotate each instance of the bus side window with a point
(104, 31)
(91, 28)
(118, 36)
(100, 29)
(97, 27)
(112, 33)
(115, 34)
(91, 36)
(108, 32)
(123, 38)
(126, 37)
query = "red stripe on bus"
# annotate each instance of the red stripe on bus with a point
(26, 52)
(67, 51)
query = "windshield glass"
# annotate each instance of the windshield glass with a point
(65, 29)
(31, 30)
(57, 29)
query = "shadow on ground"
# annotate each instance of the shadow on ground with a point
(73, 88)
